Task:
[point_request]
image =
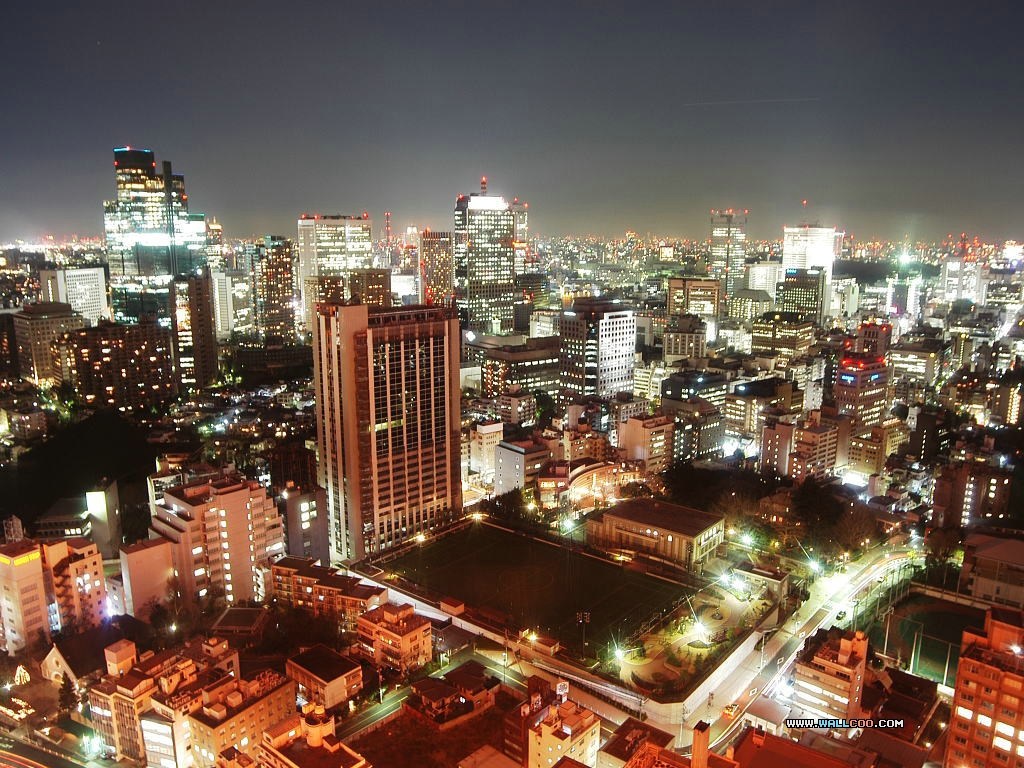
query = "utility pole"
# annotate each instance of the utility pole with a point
(583, 618)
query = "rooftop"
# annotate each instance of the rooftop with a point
(664, 515)
(323, 663)
(629, 737)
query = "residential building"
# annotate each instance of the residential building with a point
(970, 492)
(237, 716)
(224, 532)
(699, 431)
(829, 674)
(121, 366)
(483, 441)
(23, 615)
(745, 409)
(684, 338)
(567, 731)
(304, 741)
(598, 344)
(395, 636)
(986, 718)
(869, 451)
(75, 585)
(192, 326)
(517, 464)
(307, 522)
(484, 256)
(147, 570)
(324, 676)
(84, 289)
(993, 568)
(815, 448)
(392, 374)
(682, 534)
(273, 289)
(36, 327)
(516, 406)
(300, 583)
(874, 337)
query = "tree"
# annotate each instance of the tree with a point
(854, 526)
(941, 544)
(67, 699)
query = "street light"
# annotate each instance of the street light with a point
(747, 539)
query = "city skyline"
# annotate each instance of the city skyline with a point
(641, 121)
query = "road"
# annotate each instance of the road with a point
(829, 595)
(17, 754)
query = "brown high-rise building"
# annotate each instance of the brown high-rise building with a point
(122, 366)
(437, 268)
(387, 397)
(273, 289)
(195, 342)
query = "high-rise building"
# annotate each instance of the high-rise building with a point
(829, 674)
(803, 291)
(195, 341)
(148, 228)
(484, 255)
(23, 618)
(806, 247)
(123, 366)
(273, 289)
(874, 337)
(85, 289)
(728, 248)
(524, 261)
(223, 304)
(224, 532)
(684, 338)
(861, 389)
(333, 245)
(785, 334)
(437, 269)
(370, 286)
(598, 345)
(765, 276)
(36, 327)
(76, 586)
(388, 420)
(986, 722)
(693, 296)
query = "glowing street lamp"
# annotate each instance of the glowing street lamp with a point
(747, 539)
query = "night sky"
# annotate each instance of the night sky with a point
(892, 118)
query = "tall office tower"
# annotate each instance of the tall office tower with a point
(484, 256)
(437, 268)
(148, 227)
(845, 301)
(598, 345)
(85, 289)
(521, 236)
(22, 596)
(388, 421)
(223, 531)
(874, 337)
(370, 286)
(35, 328)
(861, 389)
(962, 275)
(216, 249)
(195, 342)
(786, 334)
(273, 289)
(765, 276)
(986, 722)
(123, 366)
(728, 248)
(803, 291)
(805, 247)
(223, 305)
(696, 296)
(903, 295)
(332, 245)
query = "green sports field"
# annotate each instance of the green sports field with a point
(530, 583)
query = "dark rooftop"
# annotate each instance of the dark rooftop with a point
(670, 517)
(324, 663)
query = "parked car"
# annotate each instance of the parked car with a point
(730, 710)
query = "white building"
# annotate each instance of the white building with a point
(22, 596)
(598, 342)
(805, 247)
(85, 289)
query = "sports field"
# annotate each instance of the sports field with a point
(533, 584)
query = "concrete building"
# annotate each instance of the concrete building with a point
(870, 450)
(684, 338)
(533, 364)
(223, 533)
(598, 345)
(483, 441)
(829, 674)
(518, 464)
(815, 448)
(147, 569)
(693, 296)
(785, 334)
(122, 366)
(299, 582)
(392, 374)
(985, 723)
(301, 741)
(744, 411)
(76, 588)
(307, 523)
(748, 304)
(35, 329)
(648, 439)
(395, 636)
(993, 568)
(23, 613)
(324, 676)
(237, 717)
(516, 406)
(84, 289)
(971, 492)
(685, 535)
(861, 389)
(567, 730)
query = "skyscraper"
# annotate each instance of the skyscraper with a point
(803, 291)
(85, 289)
(273, 289)
(149, 230)
(192, 323)
(329, 246)
(728, 248)
(521, 236)
(387, 413)
(598, 345)
(437, 270)
(484, 254)
(861, 389)
(805, 246)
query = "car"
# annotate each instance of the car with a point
(730, 710)
(841, 615)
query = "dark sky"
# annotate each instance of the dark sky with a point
(892, 118)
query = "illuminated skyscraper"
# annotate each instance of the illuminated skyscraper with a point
(803, 291)
(861, 389)
(484, 254)
(728, 248)
(598, 346)
(387, 416)
(149, 230)
(521, 236)
(786, 334)
(330, 246)
(273, 291)
(437, 270)
(805, 247)
(192, 323)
